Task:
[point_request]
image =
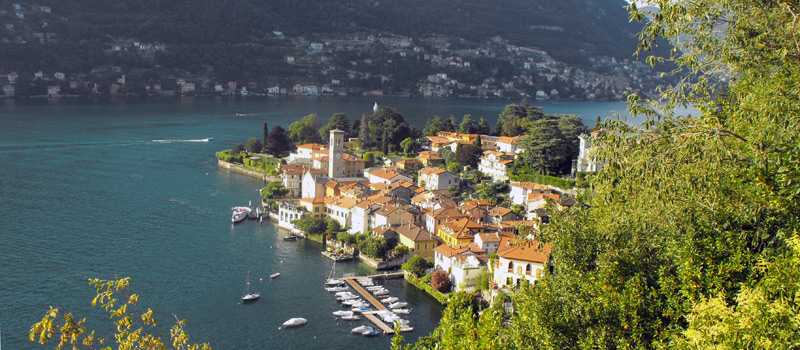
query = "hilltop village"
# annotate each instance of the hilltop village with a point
(410, 205)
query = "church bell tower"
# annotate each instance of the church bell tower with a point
(336, 154)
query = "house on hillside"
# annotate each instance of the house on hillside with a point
(437, 179)
(519, 260)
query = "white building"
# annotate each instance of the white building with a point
(436, 179)
(386, 176)
(519, 260)
(507, 144)
(586, 160)
(520, 191)
(495, 164)
(464, 263)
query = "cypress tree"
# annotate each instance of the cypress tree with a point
(264, 135)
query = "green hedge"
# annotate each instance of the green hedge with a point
(442, 298)
(544, 180)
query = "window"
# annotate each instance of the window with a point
(316, 210)
(528, 270)
(417, 245)
(426, 245)
(510, 267)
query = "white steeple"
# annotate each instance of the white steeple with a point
(375, 108)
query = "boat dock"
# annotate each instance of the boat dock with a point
(370, 315)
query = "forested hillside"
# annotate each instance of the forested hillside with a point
(569, 29)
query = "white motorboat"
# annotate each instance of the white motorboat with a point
(334, 282)
(347, 297)
(361, 329)
(397, 305)
(401, 311)
(376, 287)
(351, 318)
(343, 313)
(275, 275)
(337, 289)
(361, 308)
(352, 302)
(362, 304)
(343, 293)
(381, 292)
(247, 296)
(294, 322)
(239, 214)
(390, 300)
(406, 329)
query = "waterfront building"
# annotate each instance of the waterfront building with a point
(520, 191)
(463, 263)
(418, 239)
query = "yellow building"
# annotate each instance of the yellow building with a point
(459, 231)
(420, 241)
(316, 206)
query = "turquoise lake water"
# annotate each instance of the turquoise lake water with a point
(85, 192)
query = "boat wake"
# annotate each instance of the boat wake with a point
(191, 140)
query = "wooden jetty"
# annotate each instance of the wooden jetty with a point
(370, 315)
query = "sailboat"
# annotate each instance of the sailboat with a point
(247, 296)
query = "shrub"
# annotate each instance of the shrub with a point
(440, 281)
(416, 265)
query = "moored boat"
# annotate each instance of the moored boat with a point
(372, 333)
(390, 300)
(397, 305)
(361, 329)
(343, 313)
(275, 275)
(351, 318)
(247, 295)
(294, 322)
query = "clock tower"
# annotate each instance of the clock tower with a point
(336, 154)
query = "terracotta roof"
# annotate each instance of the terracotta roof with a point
(477, 203)
(385, 211)
(489, 237)
(431, 155)
(317, 200)
(509, 139)
(430, 170)
(439, 139)
(319, 171)
(409, 161)
(384, 174)
(344, 202)
(414, 233)
(567, 202)
(461, 249)
(446, 213)
(535, 195)
(524, 250)
(311, 146)
(499, 211)
(378, 186)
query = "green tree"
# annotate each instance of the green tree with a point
(454, 167)
(274, 190)
(310, 225)
(468, 125)
(264, 137)
(434, 125)
(416, 265)
(134, 328)
(446, 153)
(469, 155)
(278, 144)
(374, 247)
(253, 145)
(305, 130)
(409, 146)
(483, 127)
(337, 121)
(451, 124)
(545, 149)
(238, 149)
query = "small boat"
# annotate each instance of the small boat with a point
(343, 313)
(290, 238)
(239, 214)
(275, 275)
(402, 311)
(362, 329)
(352, 302)
(397, 305)
(361, 309)
(381, 292)
(334, 282)
(406, 329)
(247, 296)
(362, 304)
(351, 318)
(336, 289)
(374, 287)
(294, 322)
(389, 300)
(347, 297)
(372, 333)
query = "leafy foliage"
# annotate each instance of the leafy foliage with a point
(278, 144)
(134, 329)
(440, 280)
(416, 265)
(469, 155)
(385, 129)
(337, 121)
(274, 190)
(310, 225)
(253, 145)
(374, 247)
(305, 130)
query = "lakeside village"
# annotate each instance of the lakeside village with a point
(450, 229)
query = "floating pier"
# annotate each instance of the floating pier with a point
(370, 315)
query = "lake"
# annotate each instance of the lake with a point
(85, 192)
